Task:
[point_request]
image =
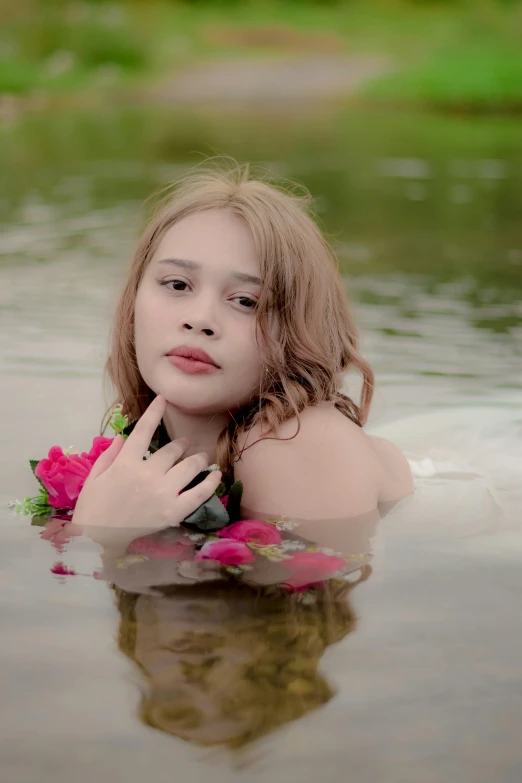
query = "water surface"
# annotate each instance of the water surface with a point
(425, 215)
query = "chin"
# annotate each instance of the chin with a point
(192, 401)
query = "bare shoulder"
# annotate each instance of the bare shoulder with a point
(320, 426)
(326, 467)
(397, 480)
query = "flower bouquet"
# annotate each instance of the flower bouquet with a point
(212, 542)
(62, 474)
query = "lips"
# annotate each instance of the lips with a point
(196, 354)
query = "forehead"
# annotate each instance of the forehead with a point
(213, 238)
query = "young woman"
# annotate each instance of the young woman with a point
(233, 335)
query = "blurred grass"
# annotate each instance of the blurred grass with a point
(61, 46)
(459, 55)
(472, 77)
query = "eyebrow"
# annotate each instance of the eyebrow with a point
(242, 277)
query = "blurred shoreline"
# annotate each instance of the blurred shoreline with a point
(450, 57)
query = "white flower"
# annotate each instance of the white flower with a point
(195, 536)
(332, 552)
(292, 545)
(285, 524)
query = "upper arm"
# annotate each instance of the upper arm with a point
(325, 472)
(397, 480)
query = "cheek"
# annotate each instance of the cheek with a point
(250, 358)
(140, 307)
(147, 317)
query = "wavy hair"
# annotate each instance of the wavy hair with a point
(315, 343)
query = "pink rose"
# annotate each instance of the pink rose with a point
(311, 568)
(63, 475)
(227, 552)
(161, 549)
(252, 531)
(99, 445)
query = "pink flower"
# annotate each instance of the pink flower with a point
(252, 531)
(161, 549)
(224, 500)
(60, 569)
(311, 568)
(227, 552)
(63, 475)
(99, 445)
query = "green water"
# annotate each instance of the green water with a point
(425, 215)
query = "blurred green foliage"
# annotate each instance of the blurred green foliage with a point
(447, 54)
(61, 44)
(472, 77)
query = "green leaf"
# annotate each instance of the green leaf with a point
(211, 515)
(221, 490)
(33, 463)
(234, 500)
(118, 422)
(39, 520)
(36, 506)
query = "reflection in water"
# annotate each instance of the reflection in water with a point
(426, 214)
(226, 665)
(230, 655)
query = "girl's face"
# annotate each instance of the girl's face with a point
(200, 291)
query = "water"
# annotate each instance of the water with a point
(424, 213)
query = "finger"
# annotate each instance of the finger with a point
(190, 500)
(51, 529)
(139, 440)
(168, 455)
(183, 473)
(106, 459)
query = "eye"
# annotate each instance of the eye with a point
(173, 285)
(245, 301)
(180, 285)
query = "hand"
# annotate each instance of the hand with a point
(125, 491)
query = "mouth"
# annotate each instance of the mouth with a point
(191, 366)
(192, 360)
(198, 354)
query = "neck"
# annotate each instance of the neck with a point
(202, 431)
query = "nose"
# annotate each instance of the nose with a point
(201, 317)
(205, 330)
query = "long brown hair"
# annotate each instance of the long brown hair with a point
(302, 292)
